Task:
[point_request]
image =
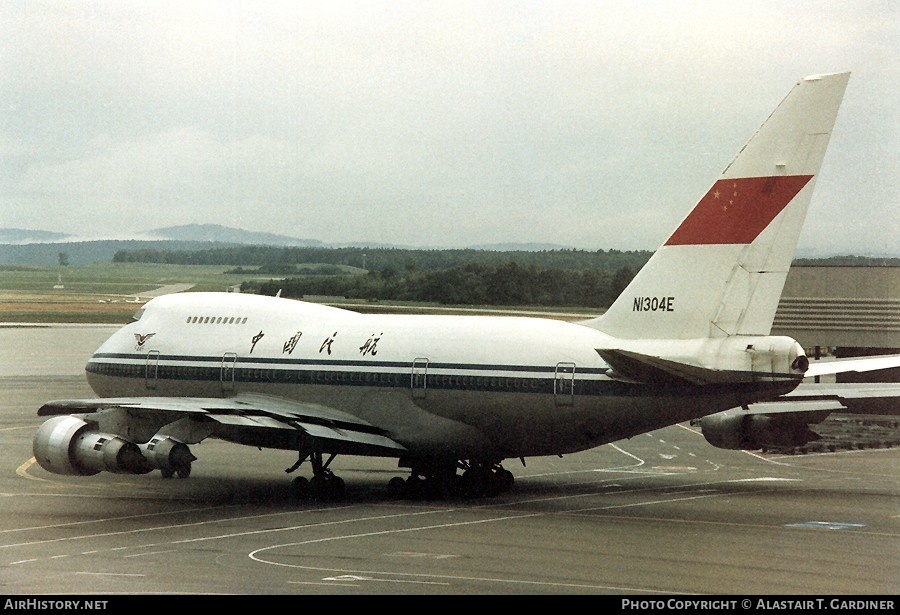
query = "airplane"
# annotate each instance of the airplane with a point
(451, 397)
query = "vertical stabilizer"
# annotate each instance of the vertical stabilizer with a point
(722, 271)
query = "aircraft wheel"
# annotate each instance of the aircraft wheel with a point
(506, 479)
(317, 487)
(184, 471)
(397, 488)
(440, 486)
(457, 486)
(335, 488)
(415, 487)
(476, 482)
(300, 488)
(167, 472)
(326, 487)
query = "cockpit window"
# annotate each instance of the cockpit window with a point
(137, 315)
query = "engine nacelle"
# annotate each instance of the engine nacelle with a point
(738, 430)
(69, 445)
(167, 454)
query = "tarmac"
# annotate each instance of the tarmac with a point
(658, 515)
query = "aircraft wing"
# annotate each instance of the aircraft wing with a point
(852, 398)
(256, 420)
(785, 421)
(854, 364)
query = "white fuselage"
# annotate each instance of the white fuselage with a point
(463, 386)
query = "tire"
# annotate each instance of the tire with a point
(300, 488)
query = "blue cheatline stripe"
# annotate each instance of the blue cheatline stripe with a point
(243, 361)
(383, 374)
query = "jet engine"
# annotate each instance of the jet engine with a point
(71, 446)
(169, 455)
(738, 430)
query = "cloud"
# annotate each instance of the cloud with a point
(416, 123)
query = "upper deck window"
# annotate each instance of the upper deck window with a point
(217, 320)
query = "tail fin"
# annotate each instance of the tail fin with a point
(722, 271)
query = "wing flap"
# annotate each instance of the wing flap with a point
(352, 440)
(248, 421)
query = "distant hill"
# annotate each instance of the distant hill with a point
(33, 247)
(87, 252)
(21, 236)
(225, 234)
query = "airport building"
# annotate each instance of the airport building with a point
(843, 312)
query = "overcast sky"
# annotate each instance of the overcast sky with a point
(437, 124)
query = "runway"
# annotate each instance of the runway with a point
(660, 514)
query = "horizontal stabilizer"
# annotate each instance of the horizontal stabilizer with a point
(629, 366)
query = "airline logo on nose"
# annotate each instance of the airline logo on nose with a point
(735, 211)
(141, 340)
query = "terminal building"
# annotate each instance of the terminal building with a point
(843, 312)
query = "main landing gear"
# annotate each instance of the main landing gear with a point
(324, 485)
(440, 481)
(428, 480)
(183, 471)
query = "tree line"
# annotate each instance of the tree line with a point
(470, 284)
(465, 276)
(565, 278)
(381, 259)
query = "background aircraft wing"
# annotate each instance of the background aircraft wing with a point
(785, 421)
(854, 364)
(255, 420)
(853, 398)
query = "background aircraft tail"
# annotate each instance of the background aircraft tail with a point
(721, 272)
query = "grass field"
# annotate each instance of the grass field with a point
(103, 292)
(109, 292)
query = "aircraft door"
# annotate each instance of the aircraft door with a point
(418, 377)
(152, 369)
(564, 384)
(226, 374)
